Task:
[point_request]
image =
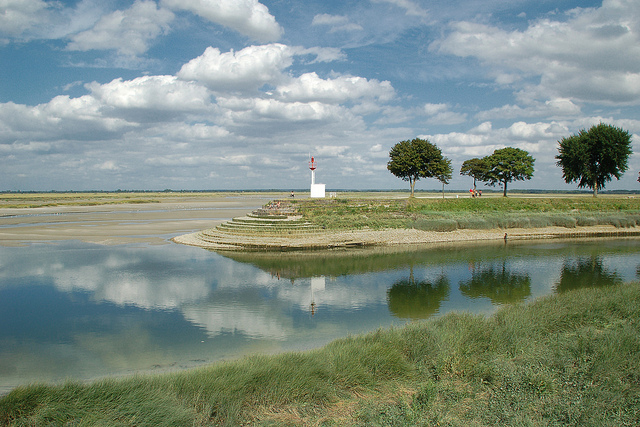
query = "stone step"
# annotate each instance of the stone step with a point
(266, 227)
(263, 233)
(262, 220)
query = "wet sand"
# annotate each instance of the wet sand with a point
(154, 223)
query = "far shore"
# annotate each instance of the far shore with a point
(160, 218)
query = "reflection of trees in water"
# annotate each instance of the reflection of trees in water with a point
(410, 299)
(585, 273)
(500, 285)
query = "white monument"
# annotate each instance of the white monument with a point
(317, 190)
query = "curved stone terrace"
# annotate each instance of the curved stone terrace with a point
(278, 226)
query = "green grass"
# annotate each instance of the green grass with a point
(566, 359)
(467, 213)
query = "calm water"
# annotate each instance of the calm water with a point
(76, 310)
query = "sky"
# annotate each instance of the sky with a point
(238, 94)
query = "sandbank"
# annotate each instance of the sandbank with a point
(153, 223)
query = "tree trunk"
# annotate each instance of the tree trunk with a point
(412, 182)
(504, 193)
(443, 190)
(595, 189)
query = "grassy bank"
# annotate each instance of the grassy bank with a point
(467, 213)
(567, 359)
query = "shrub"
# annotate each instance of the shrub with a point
(586, 221)
(564, 221)
(435, 224)
(474, 223)
(514, 222)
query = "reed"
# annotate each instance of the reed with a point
(466, 213)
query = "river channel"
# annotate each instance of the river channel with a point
(77, 310)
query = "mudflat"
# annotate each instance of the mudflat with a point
(119, 221)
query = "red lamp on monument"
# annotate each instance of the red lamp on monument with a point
(312, 166)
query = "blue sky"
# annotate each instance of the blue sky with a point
(236, 94)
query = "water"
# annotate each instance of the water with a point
(75, 310)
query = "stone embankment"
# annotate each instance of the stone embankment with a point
(278, 226)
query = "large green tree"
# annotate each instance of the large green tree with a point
(418, 158)
(506, 165)
(593, 157)
(475, 168)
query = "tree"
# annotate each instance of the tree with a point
(508, 164)
(418, 158)
(443, 172)
(475, 168)
(593, 157)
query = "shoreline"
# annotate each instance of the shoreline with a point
(396, 237)
(182, 218)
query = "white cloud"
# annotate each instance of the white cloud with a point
(336, 22)
(245, 70)
(310, 87)
(540, 139)
(109, 165)
(433, 109)
(441, 115)
(248, 17)
(326, 19)
(322, 54)
(17, 16)
(127, 32)
(61, 118)
(411, 9)
(577, 59)
(554, 108)
(106, 112)
(192, 132)
(251, 109)
(152, 92)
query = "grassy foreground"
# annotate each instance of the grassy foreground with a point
(566, 359)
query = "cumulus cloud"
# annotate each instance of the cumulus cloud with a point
(483, 139)
(247, 69)
(248, 17)
(126, 31)
(18, 16)
(251, 109)
(109, 111)
(309, 87)
(578, 58)
(61, 118)
(152, 92)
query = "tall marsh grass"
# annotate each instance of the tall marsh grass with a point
(566, 359)
(467, 213)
